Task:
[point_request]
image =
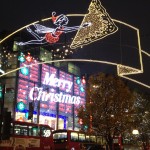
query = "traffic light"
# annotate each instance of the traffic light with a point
(31, 109)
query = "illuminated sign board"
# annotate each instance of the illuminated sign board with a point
(49, 85)
(56, 82)
(54, 97)
(53, 92)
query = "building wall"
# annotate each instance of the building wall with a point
(55, 93)
(59, 115)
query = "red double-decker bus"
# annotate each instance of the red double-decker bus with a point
(117, 143)
(76, 140)
(28, 136)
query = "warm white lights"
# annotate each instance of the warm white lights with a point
(51, 80)
(101, 26)
(135, 132)
(43, 34)
(96, 32)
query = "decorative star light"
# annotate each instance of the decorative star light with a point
(21, 58)
(24, 71)
(21, 106)
(78, 81)
(82, 89)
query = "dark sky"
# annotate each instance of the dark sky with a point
(15, 14)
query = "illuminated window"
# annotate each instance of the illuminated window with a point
(60, 136)
(81, 137)
(21, 130)
(34, 131)
(74, 136)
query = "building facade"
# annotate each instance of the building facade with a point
(55, 93)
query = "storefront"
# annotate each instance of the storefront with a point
(56, 95)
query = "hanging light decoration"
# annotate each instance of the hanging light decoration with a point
(21, 106)
(82, 89)
(24, 71)
(63, 52)
(21, 58)
(83, 80)
(78, 81)
(29, 58)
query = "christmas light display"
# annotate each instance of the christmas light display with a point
(54, 97)
(21, 58)
(24, 71)
(1, 91)
(21, 106)
(51, 35)
(47, 86)
(53, 81)
(29, 58)
(78, 81)
(122, 70)
(102, 26)
(83, 80)
(81, 89)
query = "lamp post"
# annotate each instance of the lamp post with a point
(135, 132)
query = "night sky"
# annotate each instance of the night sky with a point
(15, 14)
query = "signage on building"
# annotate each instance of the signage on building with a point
(56, 82)
(53, 97)
(62, 87)
(52, 80)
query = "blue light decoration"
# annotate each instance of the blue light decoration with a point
(78, 81)
(1, 91)
(26, 111)
(81, 83)
(21, 58)
(86, 127)
(82, 89)
(21, 106)
(47, 114)
(24, 71)
(26, 115)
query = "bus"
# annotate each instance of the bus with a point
(28, 136)
(76, 140)
(117, 143)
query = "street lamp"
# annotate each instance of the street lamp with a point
(135, 132)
